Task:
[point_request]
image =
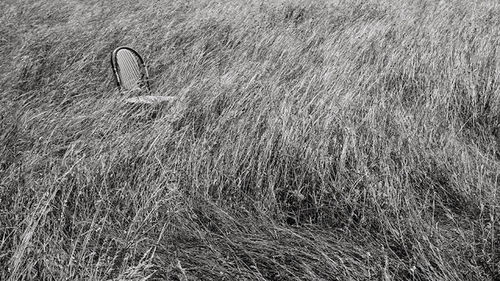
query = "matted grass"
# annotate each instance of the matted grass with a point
(333, 140)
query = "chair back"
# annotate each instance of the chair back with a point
(129, 69)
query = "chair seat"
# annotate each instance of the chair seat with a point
(151, 100)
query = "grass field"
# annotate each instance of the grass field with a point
(312, 140)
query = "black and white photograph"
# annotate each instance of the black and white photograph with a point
(266, 140)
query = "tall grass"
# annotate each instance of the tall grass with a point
(333, 140)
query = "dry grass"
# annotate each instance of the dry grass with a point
(348, 140)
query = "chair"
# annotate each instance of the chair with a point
(131, 74)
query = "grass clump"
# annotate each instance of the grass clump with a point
(323, 141)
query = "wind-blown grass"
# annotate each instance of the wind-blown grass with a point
(335, 140)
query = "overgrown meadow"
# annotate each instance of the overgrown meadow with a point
(311, 140)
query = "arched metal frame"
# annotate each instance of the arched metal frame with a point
(116, 69)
